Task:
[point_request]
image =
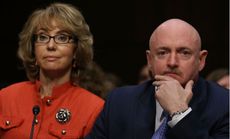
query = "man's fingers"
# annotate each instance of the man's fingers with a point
(189, 86)
(157, 83)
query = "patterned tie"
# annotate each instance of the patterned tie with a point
(160, 133)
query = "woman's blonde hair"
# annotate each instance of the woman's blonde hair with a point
(69, 18)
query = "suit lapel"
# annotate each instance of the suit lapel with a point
(145, 110)
(199, 99)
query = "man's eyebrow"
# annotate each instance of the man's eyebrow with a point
(183, 48)
(162, 48)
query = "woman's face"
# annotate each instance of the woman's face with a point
(54, 50)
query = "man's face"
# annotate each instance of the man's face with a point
(176, 53)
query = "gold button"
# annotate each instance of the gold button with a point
(36, 121)
(48, 102)
(63, 132)
(7, 123)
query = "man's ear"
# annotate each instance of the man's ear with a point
(149, 58)
(202, 59)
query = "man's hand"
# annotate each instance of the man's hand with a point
(171, 95)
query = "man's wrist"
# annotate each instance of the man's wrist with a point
(177, 113)
(176, 118)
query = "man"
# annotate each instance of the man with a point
(197, 109)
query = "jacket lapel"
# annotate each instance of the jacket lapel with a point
(145, 110)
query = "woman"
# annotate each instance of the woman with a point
(56, 48)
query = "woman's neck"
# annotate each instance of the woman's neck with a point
(49, 82)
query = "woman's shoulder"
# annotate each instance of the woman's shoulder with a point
(87, 100)
(17, 86)
(88, 95)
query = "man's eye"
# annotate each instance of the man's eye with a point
(161, 53)
(186, 53)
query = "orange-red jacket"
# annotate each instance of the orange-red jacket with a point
(16, 116)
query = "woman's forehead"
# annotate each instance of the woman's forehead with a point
(51, 25)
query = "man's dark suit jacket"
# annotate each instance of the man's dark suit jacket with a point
(129, 113)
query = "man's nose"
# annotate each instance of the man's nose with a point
(173, 60)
